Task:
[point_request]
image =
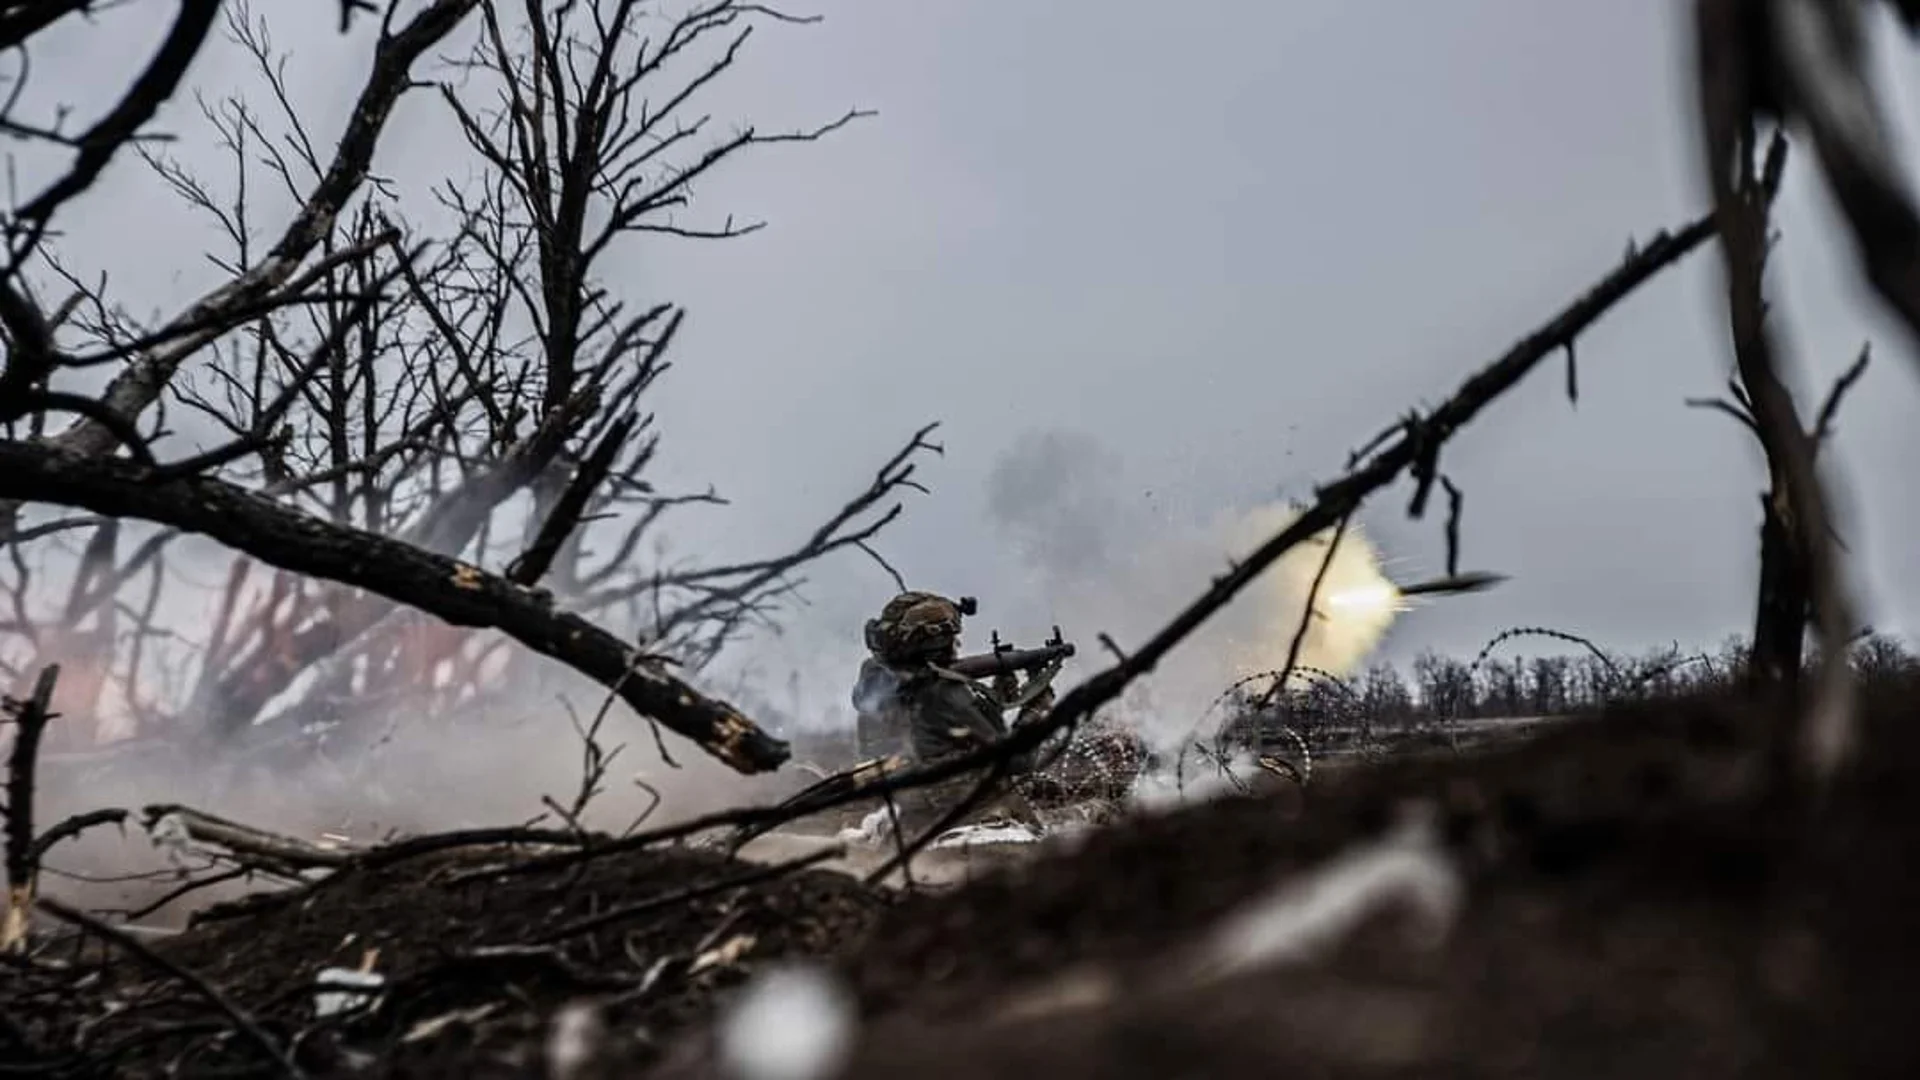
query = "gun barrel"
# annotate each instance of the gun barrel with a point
(982, 665)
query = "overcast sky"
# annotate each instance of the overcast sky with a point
(1214, 246)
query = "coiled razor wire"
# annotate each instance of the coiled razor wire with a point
(1222, 761)
(1097, 763)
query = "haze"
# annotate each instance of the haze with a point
(1155, 267)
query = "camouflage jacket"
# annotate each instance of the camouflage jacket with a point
(940, 713)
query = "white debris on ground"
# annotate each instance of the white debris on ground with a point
(573, 1039)
(871, 830)
(1166, 789)
(875, 829)
(790, 1023)
(344, 990)
(1310, 914)
(1011, 832)
(169, 833)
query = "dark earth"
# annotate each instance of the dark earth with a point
(1640, 900)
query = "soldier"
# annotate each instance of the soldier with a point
(904, 692)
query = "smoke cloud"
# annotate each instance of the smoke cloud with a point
(486, 765)
(1087, 553)
(1093, 559)
(405, 761)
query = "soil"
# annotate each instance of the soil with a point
(1639, 900)
(475, 954)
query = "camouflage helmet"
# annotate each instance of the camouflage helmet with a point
(916, 625)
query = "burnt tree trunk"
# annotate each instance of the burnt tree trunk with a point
(1784, 598)
(1783, 603)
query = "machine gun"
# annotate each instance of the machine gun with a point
(1004, 659)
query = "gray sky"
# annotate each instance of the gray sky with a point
(1224, 243)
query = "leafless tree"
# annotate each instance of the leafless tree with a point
(404, 402)
(1800, 63)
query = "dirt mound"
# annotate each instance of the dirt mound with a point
(1631, 902)
(1634, 904)
(475, 952)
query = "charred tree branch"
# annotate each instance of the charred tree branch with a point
(561, 522)
(453, 591)
(141, 383)
(152, 89)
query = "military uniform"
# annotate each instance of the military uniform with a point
(903, 695)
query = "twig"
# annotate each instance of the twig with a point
(679, 897)
(899, 582)
(143, 382)
(1456, 502)
(188, 888)
(1830, 408)
(561, 522)
(899, 838)
(73, 826)
(153, 87)
(1307, 613)
(594, 763)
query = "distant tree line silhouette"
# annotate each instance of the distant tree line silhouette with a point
(1436, 688)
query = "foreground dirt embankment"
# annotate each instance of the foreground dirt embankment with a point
(1614, 899)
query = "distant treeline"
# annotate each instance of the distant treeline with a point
(1435, 689)
(1438, 688)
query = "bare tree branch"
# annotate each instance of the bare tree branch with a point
(134, 389)
(503, 368)
(1829, 413)
(1807, 61)
(151, 90)
(444, 587)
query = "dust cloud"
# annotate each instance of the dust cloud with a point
(403, 764)
(486, 766)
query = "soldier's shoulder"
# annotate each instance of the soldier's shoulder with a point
(933, 686)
